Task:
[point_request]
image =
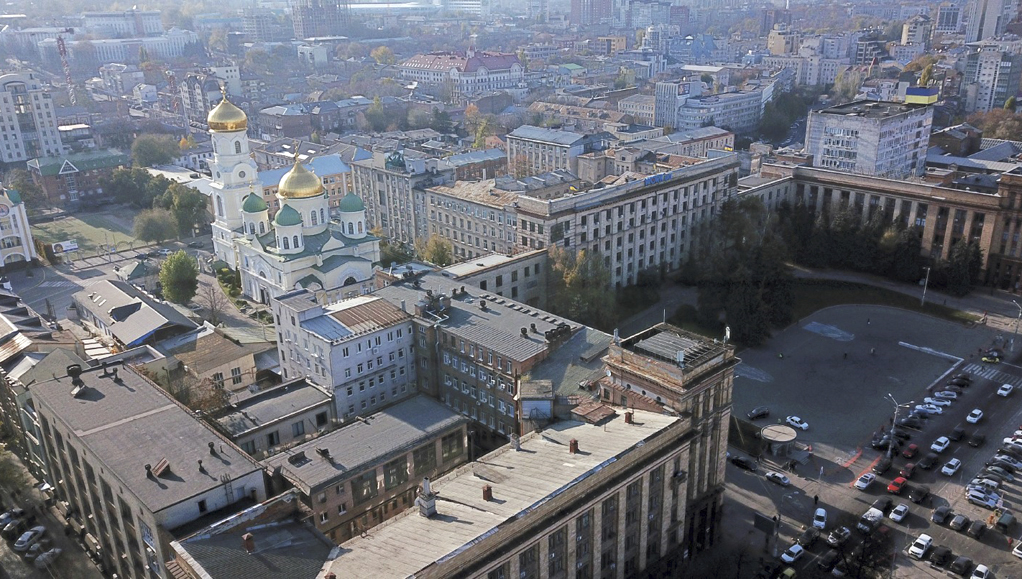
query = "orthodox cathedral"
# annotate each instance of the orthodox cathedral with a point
(301, 247)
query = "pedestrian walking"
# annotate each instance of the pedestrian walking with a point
(816, 500)
(872, 351)
(1010, 542)
(867, 321)
(846, 355)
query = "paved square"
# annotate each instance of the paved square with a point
(829, 377)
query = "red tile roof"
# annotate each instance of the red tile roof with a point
(448, 60)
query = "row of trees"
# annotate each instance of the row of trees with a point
(168, 208)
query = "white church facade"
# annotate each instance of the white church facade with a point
(301, 247)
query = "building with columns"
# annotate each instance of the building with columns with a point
(301, 247)
(942, 214)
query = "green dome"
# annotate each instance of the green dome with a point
(14, 196)
(287, 216)
(253, 204)
(351, 204)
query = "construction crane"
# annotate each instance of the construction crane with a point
(62, 49)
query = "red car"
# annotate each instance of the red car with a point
(896, 485)
(910, 451)
(908, 470)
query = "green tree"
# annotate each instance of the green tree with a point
(156, 225)
(179, 277)
(376, 117)
(315, 138)
(436, 250)
(441, 121)
(383, 55)
(579, 286)
(1009, 105)
(150, 150)
(391, 252)
(926, 75)
(187, 205)
(21, 181)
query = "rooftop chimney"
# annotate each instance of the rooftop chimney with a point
(628, 417)
(324, 452)
(482, 305)
(525, 332)
(487, 493)
(75, 372)
(573, 446)
(617, 337)
(515, 443)
(248, 540)
(426, 500)
(532, 326)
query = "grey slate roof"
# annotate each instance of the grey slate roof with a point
(546, 135)
(577, 361)
(129, 313)
(128, 425)
(359, 445)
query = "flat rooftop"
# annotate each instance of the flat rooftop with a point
(870, 109)
(358, 445)
(521, 482)
(482, 192)
(478, 264)
(130, 423)
(270, 405)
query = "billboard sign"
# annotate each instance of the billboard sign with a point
(65, 246)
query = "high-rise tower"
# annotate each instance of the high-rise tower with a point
(314, 18)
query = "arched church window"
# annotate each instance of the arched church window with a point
(237, 147)
(251, 228)
(360, 227)
(262, 228)
(351, 229)
(314, 221)
(297, 245)
(322, 216)
(287, 244)
(220, 206)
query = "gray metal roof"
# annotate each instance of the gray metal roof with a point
(359, 445)
(128, 425)
(129, 313)
(498, 327)
(546, 135)
(521, 483)
(576, 362)
(270, 405)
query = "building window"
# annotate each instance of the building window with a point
(452, 446)
(298, 429)
(237, 147)
(323, 518)
(249, 446)
(424, 459)
(363, 487)
(273, 438)
(235, 375)
(321, 419)
(395, 473)
(202, 506)
(218, 379)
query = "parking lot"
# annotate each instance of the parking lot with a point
(804, 371)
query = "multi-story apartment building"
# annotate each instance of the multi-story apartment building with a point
(812, 70)
(313, 18)
(738, 111)
(989, 18)
(30, 127)
(533, 150)
(130, 465)
(635, 224)
(949, 18)
(464, 75)
(870, 138)
(783, 40)
(119, 78)
(589, 12)
(361, 348)
(128, 24)
(69, 181)
(669, 98)
(16, 242)
(993, 70)
(366, 472)
(200, 93)
(691, 143)
(640, 106)
(393, 189)
(475, 216)
(170, 44)
(917, 30)
(473, 345)
(516, 274)
(579, 499)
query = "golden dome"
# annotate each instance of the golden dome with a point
(225, 117)
(300, 183)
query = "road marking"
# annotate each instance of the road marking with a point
(993, 374)
(66, 283)
(930, 351)
(828, 331)
(745, 371)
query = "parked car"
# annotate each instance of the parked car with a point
(929, 409)
(1004, 474)
(976, 529)
(14, 529)
(47, 558)
(959, 522)
(899, 513)
(42, 546)
(827, 562)
(820, 518)
(839, 536)
(940, 555)
(11, 515)
(758, 412)
(937, 401)
(908, 470)
(920, 546)
(928, 461)
(993, 356)
(744, 462)
(940, 445)
(808, 537)
(793, 553)
(865, 480)
(951, 467)
(910, 451)
(29, 538)
(946, 395)
(778, 478)
(918, 494)
(980, 572)
(896, 485)
(961, 565)
(882, 504)
(941, 514)
(882, 465)
(796, 422)
(196, 244)
(975, 416)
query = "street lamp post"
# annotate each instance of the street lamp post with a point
(894, 423)
(1019, 318)
(926, 284)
